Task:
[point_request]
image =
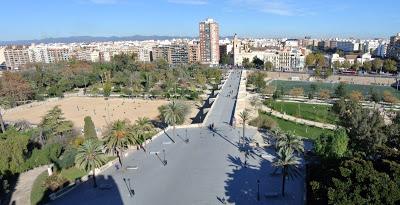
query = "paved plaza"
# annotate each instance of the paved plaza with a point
(209, 169)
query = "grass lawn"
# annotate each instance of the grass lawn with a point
(299, 129)
(72, 173)
(364, 89)
(317, 113)
(38, 191)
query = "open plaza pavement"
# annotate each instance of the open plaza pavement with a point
(203, 166)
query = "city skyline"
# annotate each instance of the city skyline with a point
(247, 18)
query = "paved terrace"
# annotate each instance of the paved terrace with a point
(209, 169)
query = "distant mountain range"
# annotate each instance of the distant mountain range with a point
(89, 39)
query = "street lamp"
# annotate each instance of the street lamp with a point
(165, 161)
(258, 190)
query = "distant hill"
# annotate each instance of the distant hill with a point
(89, 39)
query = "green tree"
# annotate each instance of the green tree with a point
(289, 140)
(332, 145)
(54, 125)
(268, 66)
(356, 66)
(310, 60)
(89, 128)
(13, 148)
(107, 89)
(90, 156)
(173, 114)
(289, 163)
(377, 64)
(143, 129)
(375, 96)
(367, 66)
(346, 64)
(224, 59)
(390, 65)
(364, 128)
(118, 138)
(340, 91)
(360, 183)
(336, 65)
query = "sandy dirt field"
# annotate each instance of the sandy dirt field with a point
(102, 111)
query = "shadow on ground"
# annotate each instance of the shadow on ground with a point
(106, 192)
(241, 187)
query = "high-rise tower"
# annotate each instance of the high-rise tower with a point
(209, 42)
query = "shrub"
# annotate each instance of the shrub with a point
(296, 92)
(55, 182)
(264, 121)
(46, 155)
(324, 94)
(67, 160)
(388, 97)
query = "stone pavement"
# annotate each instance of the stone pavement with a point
(204, 166)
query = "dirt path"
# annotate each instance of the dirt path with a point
(22, 193)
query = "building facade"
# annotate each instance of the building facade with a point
(209, 42)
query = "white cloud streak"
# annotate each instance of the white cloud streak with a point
(277, 7)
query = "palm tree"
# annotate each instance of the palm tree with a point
(142, 129)
(144, 124)
(174, 113)
(289, 140)
(245, 116)
(117, 138)
(90, 156)
(289, 164)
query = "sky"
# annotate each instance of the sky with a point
(37, 19)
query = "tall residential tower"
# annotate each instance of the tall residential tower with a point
(209, 42)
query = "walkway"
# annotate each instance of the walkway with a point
(203, 166)
(22, 193)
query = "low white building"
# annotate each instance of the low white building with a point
(364, 58)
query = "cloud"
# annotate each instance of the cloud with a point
(189, 2)
(277, 7)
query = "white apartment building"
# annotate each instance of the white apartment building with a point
(348, 46)
(292, 59)
(2, 57)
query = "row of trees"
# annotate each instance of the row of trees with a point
(124, 75)
(257, 63)
(376, 65)
(360, 162)
(341, 91)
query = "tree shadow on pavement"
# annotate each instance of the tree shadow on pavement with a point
(107, 192)
(241, 187)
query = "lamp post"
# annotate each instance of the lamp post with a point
(258, 190)
(165, 161)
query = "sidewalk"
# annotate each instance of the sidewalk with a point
(22, 193)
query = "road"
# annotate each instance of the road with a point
(209, 169)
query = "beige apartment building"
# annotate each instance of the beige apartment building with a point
(209, 42)
(15, 56)
(177, 53)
